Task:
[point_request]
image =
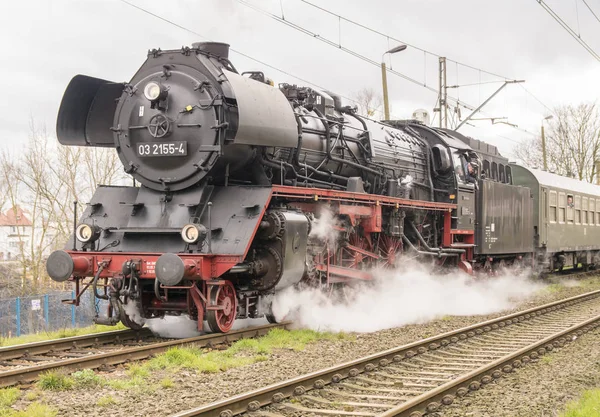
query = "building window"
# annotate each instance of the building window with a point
(553, 208)
(13, 229)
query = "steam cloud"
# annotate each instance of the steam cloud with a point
(397, 298)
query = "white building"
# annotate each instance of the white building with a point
(15, 234)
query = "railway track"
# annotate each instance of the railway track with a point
(24, 363)
(419, 378)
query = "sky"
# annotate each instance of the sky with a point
(49, 41)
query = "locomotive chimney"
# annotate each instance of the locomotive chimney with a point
(214, 48)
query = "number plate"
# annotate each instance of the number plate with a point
(162, 149)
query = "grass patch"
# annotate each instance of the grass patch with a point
(58, 334)
(136, 370)
(285, 339)
(199, 360)
(8, 396)
(587, 406)
(86, 378)
(547, 359)
(31, 396)
(55, 381)
(243, 352)
(553, 288)
(126, 384)
(106, 401)
(33, 410)
(167, 383)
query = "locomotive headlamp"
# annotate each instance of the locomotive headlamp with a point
(192, 233)
(87, 233)
(153, 91)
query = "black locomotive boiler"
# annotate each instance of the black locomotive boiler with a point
(232, 173)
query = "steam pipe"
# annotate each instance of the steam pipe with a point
(314, 170)
(240, 268)
(438, 254)
(335, 158)
(115, 316)
(428, 173)
(95, 283)
(267, 162)
(434, 250)
(74, 224)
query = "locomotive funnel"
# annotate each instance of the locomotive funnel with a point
(87, 111)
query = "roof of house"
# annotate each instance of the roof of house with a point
(15, 216)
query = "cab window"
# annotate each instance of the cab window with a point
(459, 168)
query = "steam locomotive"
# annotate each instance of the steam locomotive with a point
(231, 174)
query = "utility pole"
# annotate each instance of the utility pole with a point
(545, 161)
(544, 158)
(443, 94)
(386, 102)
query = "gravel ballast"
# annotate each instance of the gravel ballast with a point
(192, 389)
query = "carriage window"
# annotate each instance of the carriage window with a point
(494, 171)
(561, 207)
(592, 212)
(584, 210)
(598, 212)
(553, 208)
(508, 175)
(570, 208)
(502, 177)
(486, 168)
(577, 209)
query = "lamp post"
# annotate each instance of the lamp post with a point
(386, 104)
(545, 161)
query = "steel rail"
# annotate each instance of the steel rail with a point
(276, 393)
(445, 394)
(27, 374)
(57, 345)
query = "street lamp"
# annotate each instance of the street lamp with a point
(386, 104)
(544, 143)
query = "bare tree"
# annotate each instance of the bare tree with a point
(45, 180)
(369, 102)
(572, 143)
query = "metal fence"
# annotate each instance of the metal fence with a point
(42, 313)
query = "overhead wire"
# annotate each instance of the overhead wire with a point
(591, 10)
(334, 44)
(568, 28)
(232, 49)
(157, 16)
(371, 61)
(370, 29)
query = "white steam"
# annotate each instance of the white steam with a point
(179, 327)
(325, 226)
(397, 298)
(132, 311)
(175, 327)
